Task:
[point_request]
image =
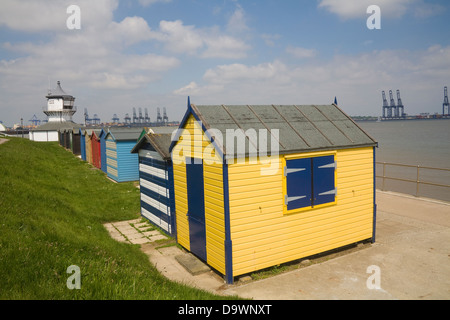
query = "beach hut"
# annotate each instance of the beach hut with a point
(96, 152)
(258, 186)
(76, 146)
(156, 180)
(83, 143)
(121, 164)
(88, 145)
(102, 136)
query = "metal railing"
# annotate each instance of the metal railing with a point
(417, 176)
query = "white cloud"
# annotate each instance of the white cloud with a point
(301, 53)
(225, 47)
(131, 30)
(237, 22)
(356, 80)
(180, 38)
(269, 39)
(147, 3)
(191, 88)
(350, 9)
(51, 15)
(206, 43)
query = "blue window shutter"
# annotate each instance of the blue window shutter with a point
(324, 188)
(298, 182)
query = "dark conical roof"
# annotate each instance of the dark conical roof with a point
(58, 92)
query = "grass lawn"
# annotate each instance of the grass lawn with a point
(52, 209)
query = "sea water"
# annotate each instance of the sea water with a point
(424, 143)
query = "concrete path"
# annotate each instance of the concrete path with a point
(410, 260)
(171, 260)
(3, 140)
(411, 256)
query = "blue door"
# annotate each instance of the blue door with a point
(196, 207)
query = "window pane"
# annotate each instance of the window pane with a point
(323, 180)
(298, 183)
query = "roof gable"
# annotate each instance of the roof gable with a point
(159, 142)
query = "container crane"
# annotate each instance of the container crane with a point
(147, 118)
(445, 105)
(158, 115)
(385, 105)
(135, 118)
(165, 117)
(400, 107)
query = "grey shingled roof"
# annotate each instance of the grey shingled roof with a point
(58, 126)
(125, 133)
(301, 128)
(160, 142)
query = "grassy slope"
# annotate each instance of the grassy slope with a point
(52, 207)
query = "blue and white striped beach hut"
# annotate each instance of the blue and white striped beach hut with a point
(156, 181)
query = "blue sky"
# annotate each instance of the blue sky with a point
(156, 53)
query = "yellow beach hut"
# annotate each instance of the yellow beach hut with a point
(257, 186)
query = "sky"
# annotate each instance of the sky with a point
(155, 53)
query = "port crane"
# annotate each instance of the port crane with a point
(400, 108)
(87, 120)
(165, 117)
(386, 108)
(135, 117)
(147, 118)
(35, 121)
(390, 110)
(445, 105)
(158, 115)
(127, 118)
(141, 118)
(115, 118)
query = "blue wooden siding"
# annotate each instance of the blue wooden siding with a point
(127, 162)
(103, 150)
(122, 165)
(82, 145)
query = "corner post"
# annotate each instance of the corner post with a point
(228, 243)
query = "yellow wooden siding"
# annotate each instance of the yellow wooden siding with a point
(88, 149)
(214, 216)
(113, 172)
(263, 236)
(111, 162)
(110, 144)
(195, 145)
(181, 208)
(111, 154)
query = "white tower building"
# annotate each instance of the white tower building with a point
(60, 105)
(60, 110)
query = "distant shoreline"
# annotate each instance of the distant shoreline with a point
(374, 119)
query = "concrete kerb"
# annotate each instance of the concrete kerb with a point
(171, 261)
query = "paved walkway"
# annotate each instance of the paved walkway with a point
(411, 260)
(3, 140)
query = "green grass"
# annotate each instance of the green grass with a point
(52, 209)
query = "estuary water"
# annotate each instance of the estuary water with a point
(424, 143)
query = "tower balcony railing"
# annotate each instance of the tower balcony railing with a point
(65, 108)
